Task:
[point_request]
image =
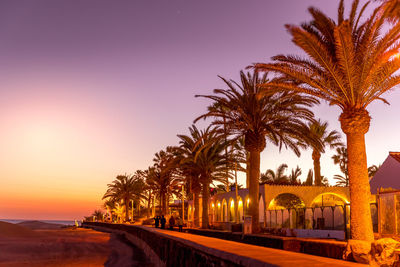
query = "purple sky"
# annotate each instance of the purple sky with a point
(92, 89)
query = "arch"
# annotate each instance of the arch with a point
(189, 213)
(212, 212)
(246, 205)
(240, 209)
(231, 210)
(329, 199)
(218, 211)
(285, 201)
(224, 209)
(261, 209)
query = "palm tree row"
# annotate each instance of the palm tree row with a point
(349, 63)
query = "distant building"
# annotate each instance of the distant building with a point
(388, 175)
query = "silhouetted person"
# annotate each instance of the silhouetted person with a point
(180, 223)
(156, 221)
(163, 221)
(171, 222)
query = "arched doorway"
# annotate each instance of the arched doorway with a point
(231, 212)
(224, 211)
(329, 211)
(285, 211)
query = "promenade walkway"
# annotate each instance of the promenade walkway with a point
(270, 256)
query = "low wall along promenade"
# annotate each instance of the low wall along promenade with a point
(215, 248)
(165, 250)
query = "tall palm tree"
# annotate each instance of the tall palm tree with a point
(278, 117)
(186, 153)
(350, 63)
(212, 163)
(319, 131)
(163, 176)
(123, 188)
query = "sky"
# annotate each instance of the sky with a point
(92, 89)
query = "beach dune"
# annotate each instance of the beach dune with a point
(22, 246)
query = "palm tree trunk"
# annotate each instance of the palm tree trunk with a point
(247, 169)
(196, 204)
(126, 201)
(254, 189)
(205, 197)
(360, 218)
(160, 204)
(149, 204)
(317, 167)
(355, 124)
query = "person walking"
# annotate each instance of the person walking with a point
(156, 221)
(171, 222)
(180, 223)
(163, 221)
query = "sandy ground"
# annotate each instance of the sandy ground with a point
(64, 247)
(21, 246)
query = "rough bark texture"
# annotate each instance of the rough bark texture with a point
(254, 189)
(355, 123)
(317, 167)
(205, 197)
(254, 144)
(196, 220)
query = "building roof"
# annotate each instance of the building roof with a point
(395, 155)
(388, 175)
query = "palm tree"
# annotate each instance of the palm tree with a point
(123, 188)
(350, 64)
(309, 180)
(278, 117)
(341, 158)
(372, 170)
(163, 176)
(319, 131)
(98, 214)
(341, 180)
(294, 175)
(186, 153)
(270, 176)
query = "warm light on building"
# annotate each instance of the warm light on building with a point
(232, 203)
(219, 204)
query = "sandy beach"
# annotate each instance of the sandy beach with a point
(22, 246)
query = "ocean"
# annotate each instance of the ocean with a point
(46, 221)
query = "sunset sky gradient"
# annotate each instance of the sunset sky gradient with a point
(92, 89)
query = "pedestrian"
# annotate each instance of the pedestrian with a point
(180, 223)
(171, 222)
(163, 221)
(156, 221)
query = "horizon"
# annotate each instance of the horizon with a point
(91, 90)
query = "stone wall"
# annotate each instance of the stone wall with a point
(166, 250)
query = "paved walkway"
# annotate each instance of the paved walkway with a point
(268, 255)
